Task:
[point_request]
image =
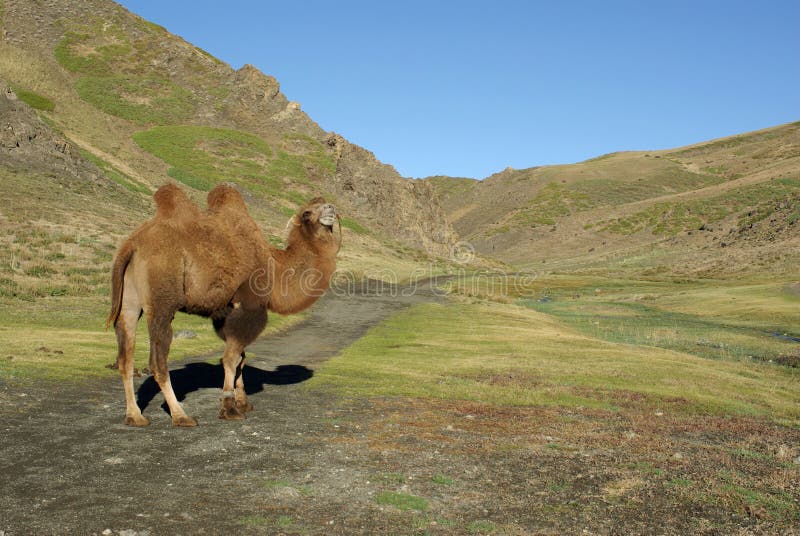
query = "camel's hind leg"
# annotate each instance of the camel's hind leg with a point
(239, 394)
(125, 328)
(160, 328)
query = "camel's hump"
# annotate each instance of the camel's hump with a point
(172, 202)
(225, 196)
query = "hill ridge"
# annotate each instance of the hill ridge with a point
(625, 201)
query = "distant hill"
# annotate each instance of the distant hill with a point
(725, 206)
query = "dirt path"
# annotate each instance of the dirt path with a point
(309, 462)
(69, 465)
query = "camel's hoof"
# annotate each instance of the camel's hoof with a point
(244, 406)
(184, 420)
(232, 414)
(136, 420)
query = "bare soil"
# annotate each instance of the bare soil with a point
(312, 462)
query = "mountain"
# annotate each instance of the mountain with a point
(100, 107)
(142, 107)
(726, 206)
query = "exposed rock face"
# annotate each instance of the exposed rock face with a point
(404, 209)
(26, 143)
(256, 102)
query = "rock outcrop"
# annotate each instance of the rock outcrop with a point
(28, 144)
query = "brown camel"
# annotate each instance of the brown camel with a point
(215, 264)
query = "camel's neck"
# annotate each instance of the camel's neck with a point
(299, 278)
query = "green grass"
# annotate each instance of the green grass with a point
(481, 527)
(444, 480)
(640, 324)
(504, 354)
(778, 505)
(313, 151)
(89, 64)
(33, 99)
(750, 454)
(202, 157)
(143, 100)
(74, 326)
(610, 180)
(284, 521)
(401, 501)
(353, 225)
(647, 468)
(711, 319)
(253, 521)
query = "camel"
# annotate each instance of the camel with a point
(216, 264)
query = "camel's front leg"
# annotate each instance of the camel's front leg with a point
(229, 409)
(239, 393)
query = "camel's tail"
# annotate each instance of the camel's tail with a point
(117, 281)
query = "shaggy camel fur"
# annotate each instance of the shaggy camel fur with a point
(215, 264)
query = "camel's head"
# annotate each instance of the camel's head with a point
(316, 219)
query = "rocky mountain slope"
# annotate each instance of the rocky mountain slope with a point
(148, 107)
(719, 207)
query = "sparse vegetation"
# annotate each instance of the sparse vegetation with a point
(143, 100)
(33, 99)
(671, 218)
(481, 527)
(353, 225)
(401, 501)
(116, 175)
(551, 202)
(254, 521)
(444, 480)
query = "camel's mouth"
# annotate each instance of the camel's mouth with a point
(328, 216)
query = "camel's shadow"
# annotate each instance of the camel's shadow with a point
(196, 376)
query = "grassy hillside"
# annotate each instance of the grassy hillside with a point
(740, 191)
(155, 108)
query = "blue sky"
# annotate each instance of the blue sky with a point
(467, 88)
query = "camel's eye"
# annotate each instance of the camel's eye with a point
(307, 215)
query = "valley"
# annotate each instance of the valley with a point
(610, 346)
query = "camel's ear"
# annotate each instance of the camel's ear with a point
(292, 221)
(306, 216)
